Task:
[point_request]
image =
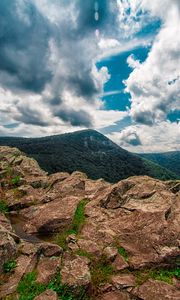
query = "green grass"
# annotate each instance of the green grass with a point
(15, 181)
(28, 288)
(85, 254)
(3, 207)
(161, 274)
(101, 271)
(9, 266)
(123, 253)
(75, 227)
(65, 292)
(79, 218)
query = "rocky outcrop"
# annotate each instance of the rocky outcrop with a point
(153, 289)
(120, 234)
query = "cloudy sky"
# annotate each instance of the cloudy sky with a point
(110, 65)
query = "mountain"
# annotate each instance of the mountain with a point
(169, 160)
(88, 151)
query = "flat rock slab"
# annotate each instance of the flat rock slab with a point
(53, 216)
(123, 281)
(157, 290)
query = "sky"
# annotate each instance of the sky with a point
(108, 65)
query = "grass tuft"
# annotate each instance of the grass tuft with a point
(9, 266)
(28, 288)
(101, 271)
(161, 274)
(123, 253)
(75, 227)
(4, 207)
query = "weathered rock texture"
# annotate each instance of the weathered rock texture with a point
(132, 226)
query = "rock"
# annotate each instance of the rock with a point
(47, 269)
(29, 249)
(5, 222)
(75, 271)
(157, 290)
(7, 247)
(111, 253)
(119, 263)
(142, 215)
(123, 281)
(53, 216)
(49, 249)
(47, 295)
(90, 247)
(25, 264)
(114, 296)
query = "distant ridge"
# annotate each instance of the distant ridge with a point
(88, 151)
(169, 160)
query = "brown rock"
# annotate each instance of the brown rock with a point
(47, 295)
(123, 281)
(111, 253)
(5, 222)
(47, 269)
(7, 247)
(75, 271)
(53, 216)
(49, 249)
(25, 264)
(114, 296)
(157, 290)
(142, 215)
(119, 263)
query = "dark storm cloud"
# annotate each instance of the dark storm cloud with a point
(75, 118)
(24, 36)
(26, 33)
(30, 116)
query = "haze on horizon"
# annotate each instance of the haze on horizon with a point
(109, 65)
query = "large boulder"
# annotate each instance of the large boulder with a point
(139, 214)
(53, 216)
(153, 289)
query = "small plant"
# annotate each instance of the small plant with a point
(101, 271)
(76, 225)
(123, 253)
(3, 207)
(15, 181)
(85, 254)
(79, 217)
(9, 266)
(162, 275)
(60, 239)
(28, 288)
(165, 275)
(65, 292)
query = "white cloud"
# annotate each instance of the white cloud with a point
(154, 85)
(161, 137)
